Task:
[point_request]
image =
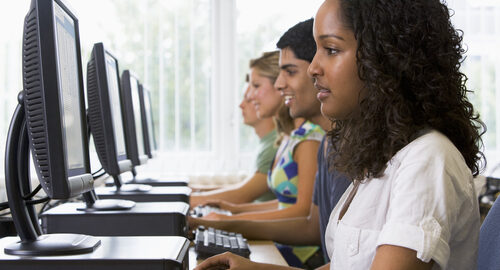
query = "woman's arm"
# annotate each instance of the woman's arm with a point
(278, 230)
(305, 156)
(244, 192)
(231, 261)
(251, 207)
(390, 257)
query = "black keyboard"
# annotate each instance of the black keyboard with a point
(203, 210)
(209, 242)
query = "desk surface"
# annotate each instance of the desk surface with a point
(261, 251)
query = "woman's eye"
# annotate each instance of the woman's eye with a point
(331, 51)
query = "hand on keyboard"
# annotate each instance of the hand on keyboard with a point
(204, 210)
(209, 242)
(227, 261)
(223, 205)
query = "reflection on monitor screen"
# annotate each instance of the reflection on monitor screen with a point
(137, 115)
(69, 88)
(114, 99)
(149, 117)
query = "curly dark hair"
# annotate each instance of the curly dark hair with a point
(299, 38)
(408, 57)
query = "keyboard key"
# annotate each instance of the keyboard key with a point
(209, 242)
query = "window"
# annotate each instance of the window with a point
(480, 21)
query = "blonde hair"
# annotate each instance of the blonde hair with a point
(268, 66)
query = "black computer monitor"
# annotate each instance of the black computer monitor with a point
(51, 111)
(132, 118)
(147, 121)
(105, 116)
(104, 111)
(138, 121)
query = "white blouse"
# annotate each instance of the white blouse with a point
(425, 201)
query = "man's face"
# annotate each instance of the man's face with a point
(296, 86)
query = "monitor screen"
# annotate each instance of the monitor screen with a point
(69, 89)
(149, 119)
(134, 86)
(114, 100)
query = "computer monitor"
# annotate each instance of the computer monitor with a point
(139, 131)
(106, 116)
(104, 111)
(132, 119)
(147, 121)
(51, 112)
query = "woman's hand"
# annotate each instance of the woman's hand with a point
(215, 216)
(232, 207)
(227, 260)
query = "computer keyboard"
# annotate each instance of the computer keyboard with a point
(209, 242)
(203, 210)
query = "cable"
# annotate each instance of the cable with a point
(31, 202)
(33, 193)
(4, 205)
(47, 206)
(97, 171)
(99, 175)
(43, 207)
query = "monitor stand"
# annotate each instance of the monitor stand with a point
(117, 180)
(155, 182)
(156, 194)
(93, 203)
(17, 183)
(135, 188)
(143, 193)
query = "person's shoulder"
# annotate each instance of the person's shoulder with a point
(430, 147)
(308, 130)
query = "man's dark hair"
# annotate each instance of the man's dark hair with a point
(300, 40)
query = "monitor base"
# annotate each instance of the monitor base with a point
(157, 194)
(108, 205)
(134, 188)
(169, 181)
(54, 245)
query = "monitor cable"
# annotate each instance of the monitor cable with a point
(27, 198)
(98, 175)
(94, 173)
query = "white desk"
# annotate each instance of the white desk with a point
(260, 251)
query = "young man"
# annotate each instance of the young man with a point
(297, 48)
(256, 184)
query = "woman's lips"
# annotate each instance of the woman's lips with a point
(323, 94)
(288, 99)
(323, 91)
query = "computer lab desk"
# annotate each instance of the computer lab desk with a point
(261, 251)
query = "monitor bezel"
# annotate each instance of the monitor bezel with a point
(113, 163)
(145, 130)
(155, 142)
(129, 121)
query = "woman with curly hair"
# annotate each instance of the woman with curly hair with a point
(404, 132)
